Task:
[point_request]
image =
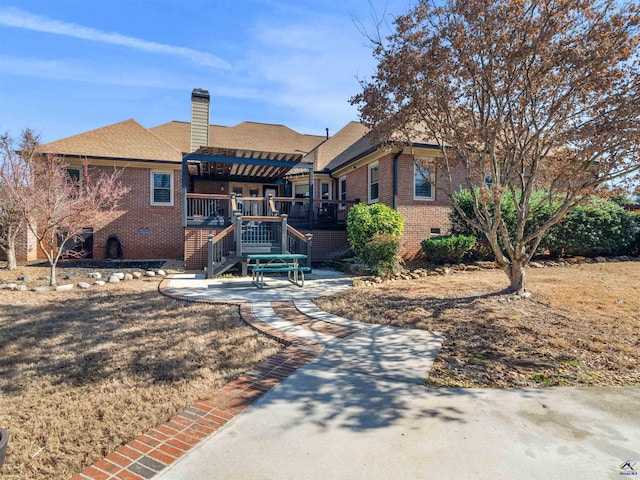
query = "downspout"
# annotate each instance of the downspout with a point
(395, 179)
(185, 173)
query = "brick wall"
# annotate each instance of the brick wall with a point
(26, 246)
(195, 247)
(147, 231)
(423, 218)
(327, 244)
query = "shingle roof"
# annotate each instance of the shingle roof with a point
(244, 136)
(338, 143)
(355, 150)
(124, 140)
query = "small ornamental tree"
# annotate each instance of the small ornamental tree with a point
(10, 223)
(54, 206)
(524, 94)
(11, 217)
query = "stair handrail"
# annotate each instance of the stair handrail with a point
(213, 252)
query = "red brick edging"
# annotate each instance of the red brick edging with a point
(157, 448)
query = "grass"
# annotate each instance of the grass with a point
(83, 372)
(580, 327)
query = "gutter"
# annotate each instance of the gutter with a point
(395, 179)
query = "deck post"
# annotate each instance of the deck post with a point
(210, 255)
(309, 237)
(283, 235)
(238, 234)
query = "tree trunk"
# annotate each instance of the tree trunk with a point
(517, 276)
(52, 275)
(10, 251)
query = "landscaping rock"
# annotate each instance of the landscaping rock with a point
(21, 288)
(472, 268)
(137, 275)
(114, 278)
(161, 272)
(70, 276)
(95, 275)
(579, 259)
(43, 277)
(149, 273)
(623, 258)
(600, 259)
(486, 265)
(120, 275)
(357, 282)
(24, 278)
(64, 288)
(9, 286)
(571, 260)
(536, 265)
(99, 283)
(40, 289)
(127, 277)
(84, 285)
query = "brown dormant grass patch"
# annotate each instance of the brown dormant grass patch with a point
(83, 372)
(580, 327)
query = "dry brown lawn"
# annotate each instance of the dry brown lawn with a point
(580, 327)
(83, 372)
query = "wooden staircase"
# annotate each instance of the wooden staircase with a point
(253, 234)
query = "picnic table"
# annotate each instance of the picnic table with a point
(261, 263)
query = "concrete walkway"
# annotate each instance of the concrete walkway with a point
(359, 410)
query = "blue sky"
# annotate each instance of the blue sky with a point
(70, 66)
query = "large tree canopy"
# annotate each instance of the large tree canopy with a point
(529, 94)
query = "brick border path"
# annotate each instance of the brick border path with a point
(157, 448)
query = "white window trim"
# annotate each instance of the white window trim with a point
(171, 188)
(341, 206)
(369, 167)
(419, 197)
(294, 185)
(329, 191)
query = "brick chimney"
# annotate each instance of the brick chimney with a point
(199, 119)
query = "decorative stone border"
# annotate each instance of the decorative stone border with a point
(484, 265)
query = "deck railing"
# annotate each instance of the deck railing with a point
(207, 209)
(218, 210)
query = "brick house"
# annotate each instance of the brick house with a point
(190, 181)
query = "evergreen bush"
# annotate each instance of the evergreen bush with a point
(448, 248)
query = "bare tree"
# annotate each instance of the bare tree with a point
(11, 218)
(526, 93)
(55, 206)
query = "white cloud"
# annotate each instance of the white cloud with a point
(14, 17)
(99, 74)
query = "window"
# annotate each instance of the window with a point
(374, 174)
(422, 188)
(74, 174)
(325, 193)
(161, 188)
(342, 191)
(301, 190)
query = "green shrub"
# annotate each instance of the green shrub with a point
(540, 211)
(634, 248)
(383, 253)
(448, 248)
(364, 221)
(601, 227)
